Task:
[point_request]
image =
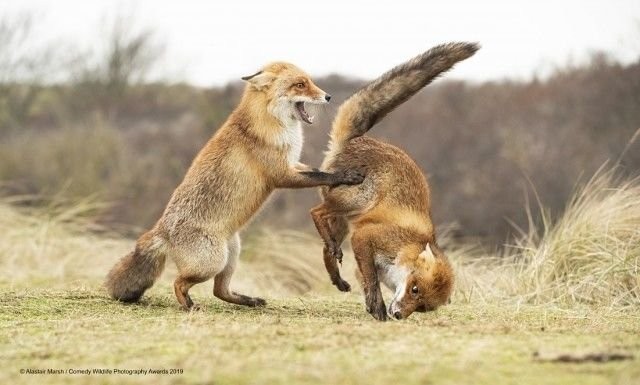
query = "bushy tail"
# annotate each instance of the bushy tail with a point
(136, 271)
(369, 105)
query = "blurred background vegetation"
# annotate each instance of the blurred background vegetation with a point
(103, 131)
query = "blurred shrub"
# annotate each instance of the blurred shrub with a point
(77, 161)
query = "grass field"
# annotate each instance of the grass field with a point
(563, 293)
(320, 339)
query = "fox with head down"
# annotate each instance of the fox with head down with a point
(389, 214)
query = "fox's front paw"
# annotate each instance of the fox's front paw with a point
(376, 307)
(349, 177)
(378, 312)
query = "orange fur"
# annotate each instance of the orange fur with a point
(389, 214)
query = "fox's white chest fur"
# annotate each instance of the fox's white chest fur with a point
(391, 275)
(291, 138)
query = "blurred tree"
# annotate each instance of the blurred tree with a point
(22, 69)
(103, 77)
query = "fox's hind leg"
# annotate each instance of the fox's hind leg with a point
(223, 278)
(199, 256)
(181, 287)
(333, 229)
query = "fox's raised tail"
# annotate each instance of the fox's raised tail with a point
(369, 105)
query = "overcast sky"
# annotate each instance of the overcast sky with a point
(211, 42)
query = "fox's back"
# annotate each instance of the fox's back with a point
(224, 186)
(392, 177)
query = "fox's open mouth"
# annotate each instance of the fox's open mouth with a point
(302, 113)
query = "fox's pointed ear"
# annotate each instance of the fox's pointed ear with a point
(428, 255)
(259, 80)
(247, 78)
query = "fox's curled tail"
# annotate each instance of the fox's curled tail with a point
(369, 105)
(137, 271)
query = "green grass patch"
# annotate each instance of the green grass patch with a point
(305, 340)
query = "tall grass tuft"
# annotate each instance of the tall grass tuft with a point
(589, 255)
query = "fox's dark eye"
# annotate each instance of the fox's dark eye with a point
(299, 85)
(414, 290)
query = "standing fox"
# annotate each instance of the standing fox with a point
(389, 214)
(256, 151)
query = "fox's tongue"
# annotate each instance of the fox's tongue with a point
(303, 113)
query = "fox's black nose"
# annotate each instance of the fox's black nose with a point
(327, 97)
(397, 315)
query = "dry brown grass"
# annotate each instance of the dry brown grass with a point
(506, 313)
(590, 255)
(53, 244)
(60, 244)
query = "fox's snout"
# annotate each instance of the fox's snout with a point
(314, 94)
(395, 311)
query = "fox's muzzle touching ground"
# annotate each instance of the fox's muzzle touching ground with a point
(389, 214)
